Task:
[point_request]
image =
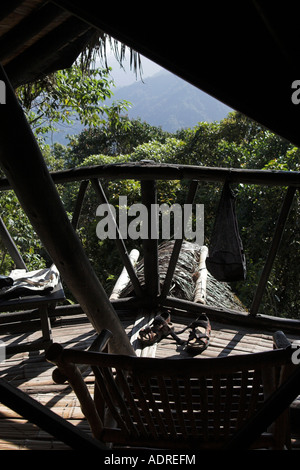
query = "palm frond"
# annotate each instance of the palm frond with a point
(97, 49)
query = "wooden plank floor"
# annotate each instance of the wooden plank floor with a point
(31, 373)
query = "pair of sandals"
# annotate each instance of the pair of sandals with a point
(162, 327)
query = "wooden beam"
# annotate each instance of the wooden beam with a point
(285, 209)
(30, 26)
(162, 171)
(79, 201)
(27, 172)
(221, 314)
(150, 244)
(177, 246)
(36, 58)
(120, 242)
(11, 246)
(46, 419)
(8, 7)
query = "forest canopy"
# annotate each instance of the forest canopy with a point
(110, 137)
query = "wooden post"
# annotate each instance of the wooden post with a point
(11, 246)
(120, 242)
(26, 170)
(273, 249)
(150, 245)
(177, 246)
(79, 201)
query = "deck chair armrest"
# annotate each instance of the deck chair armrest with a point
(280, 341)
(100, 343)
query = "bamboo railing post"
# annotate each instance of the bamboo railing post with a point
(177, 246)
(119, 242)
(285, 209)
(150, 244)
(27, 172)
(11, 246)
(79, 201)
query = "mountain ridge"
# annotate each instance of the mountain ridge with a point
(168, 101)
(162, 100)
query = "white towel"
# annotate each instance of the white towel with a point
(40, 281)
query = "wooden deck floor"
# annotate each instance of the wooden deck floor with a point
(31, 373)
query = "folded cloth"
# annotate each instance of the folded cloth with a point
(41, 282)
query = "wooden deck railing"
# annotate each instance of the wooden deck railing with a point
(148, 173)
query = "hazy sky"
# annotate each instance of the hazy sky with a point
(124, 76)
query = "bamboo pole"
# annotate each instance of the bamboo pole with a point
(221, 314)
(119, 242)
(11, 246)
(25, 168)
(150, 244)
(79, 201)
(163, 171)
(200, 288)
(177, 246)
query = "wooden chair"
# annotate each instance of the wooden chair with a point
(197, 403)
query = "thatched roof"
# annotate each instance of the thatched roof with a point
(183, 283)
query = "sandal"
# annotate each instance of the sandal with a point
(160, 328)
(198, 340)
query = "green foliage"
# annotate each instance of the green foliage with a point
(78, 91)
(74, 93)
(235, 142)
(107, 140)
(162, 152)
(22, 233)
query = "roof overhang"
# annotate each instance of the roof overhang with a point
(245, 54)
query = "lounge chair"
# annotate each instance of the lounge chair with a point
(197, 403)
